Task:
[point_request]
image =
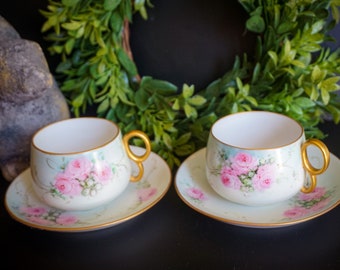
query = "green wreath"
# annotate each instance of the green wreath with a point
(290, 71)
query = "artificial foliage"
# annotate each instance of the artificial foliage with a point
(290, 71)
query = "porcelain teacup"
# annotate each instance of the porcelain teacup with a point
(259, 158)
(82, 163)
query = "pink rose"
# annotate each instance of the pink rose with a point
(33, 211)
(320, 205)
(295, 212)
(316, 194)
(103, 172)
(68, 186)
(40, 220)
(146, 193)
(195, 193)
(264, 177)
(229, 179)
(79, 168)
(66, 219)
(242, 163)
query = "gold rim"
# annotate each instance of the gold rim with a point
(259, 148)
(75, 152)
(98, 226)
(244, 223)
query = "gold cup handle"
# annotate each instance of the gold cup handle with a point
(313, 172)
(138, 159)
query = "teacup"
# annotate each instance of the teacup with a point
(82, 163)
(259, 158)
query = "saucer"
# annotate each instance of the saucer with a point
(192, 187)
(24, 207)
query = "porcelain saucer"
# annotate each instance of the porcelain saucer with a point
(192, 187)
(23, 205)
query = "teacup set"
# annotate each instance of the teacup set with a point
(252, 159)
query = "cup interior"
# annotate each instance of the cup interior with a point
(75, 135)
(257, 130)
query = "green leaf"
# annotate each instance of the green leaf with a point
(190, 111)
(78, 101)
(185, 150)
(256, 24)
(298, 63)
(142, 99)
(110, 5)
(317, 74)
(304, 102)
(158, 86)
(176, 106)
(325, 96)
(188, 91)
(197, 100)
(273, 56)
(317, 26)
(116, 22)
(330, 84)
(103, 106)
(285, 27)
(167, 140)
(69, 45)
(70, 3)
(183, 139)
(73, 25)
(126, 62)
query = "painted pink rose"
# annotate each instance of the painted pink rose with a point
(67, 186)
(33, 211)
(316, 194)
(320, 205)
(264, 177)
(79, 168)
(229, 179)
(39, 220)
(195, 193)
(242, 163)
(103, 172)
(145, 194)
(295, 212)
(66, 219)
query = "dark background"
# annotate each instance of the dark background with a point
(190, 42)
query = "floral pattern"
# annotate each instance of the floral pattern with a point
(196, 193)
(26, 207)
(81, 176)
(193, 188)
(247, 173)
(308, 203)
(47, 216)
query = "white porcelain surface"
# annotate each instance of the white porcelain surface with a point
(24, 206)
(193, 188)
(254, 158)
(79, 163)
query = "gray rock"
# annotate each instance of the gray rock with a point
(29, 98)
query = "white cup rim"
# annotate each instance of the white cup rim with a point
(45, 129)
(296, 135)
